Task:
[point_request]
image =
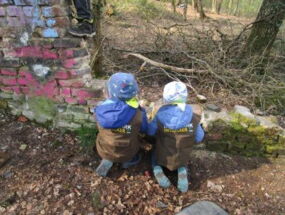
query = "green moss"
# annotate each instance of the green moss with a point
(87, 137)
(244, 136)
(3, 104)
(42, 106)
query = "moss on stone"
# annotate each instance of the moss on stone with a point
(42, 106)
(246, 137)
(3, 104)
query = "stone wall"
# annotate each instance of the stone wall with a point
(44, 72)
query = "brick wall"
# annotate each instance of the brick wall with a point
(40, 61)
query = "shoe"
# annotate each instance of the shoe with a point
(132, 162)
(83, 29)
(160, 177)
(104, 167)
(182, 184)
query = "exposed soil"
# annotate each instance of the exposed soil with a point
(52, 175)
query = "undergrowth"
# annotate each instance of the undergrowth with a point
(87, 137)
(146, 9)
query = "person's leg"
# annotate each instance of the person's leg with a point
(104, 167)
(83, 9)
(85, 19)
(161, 178)
(182, 184)
(135, 160)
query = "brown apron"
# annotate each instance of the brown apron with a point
(173, 147)
(120, 144)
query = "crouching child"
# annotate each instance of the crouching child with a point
(120, 121)
(176, 128)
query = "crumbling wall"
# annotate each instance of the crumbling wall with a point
(45, 72)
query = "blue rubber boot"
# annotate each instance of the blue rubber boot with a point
(182, 179)
(161, 177)
(104, 167)
(136, 159)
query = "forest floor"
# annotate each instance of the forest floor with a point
(50, 173)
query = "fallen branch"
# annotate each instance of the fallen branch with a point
(165, 66)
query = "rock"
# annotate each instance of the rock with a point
(210, 116)
(7, 175)
(29, 114)
(268, 121)
(213, 107)
(203, 208)
(215, 187)
(66, 212)
(160, 204)
(201, 98)
(260, 113)
(244, 111)
(23, 147)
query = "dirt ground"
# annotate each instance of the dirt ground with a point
(52, 175)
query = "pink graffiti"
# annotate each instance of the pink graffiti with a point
(34, 51)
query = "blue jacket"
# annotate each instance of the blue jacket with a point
(114, 113)
(172, 117)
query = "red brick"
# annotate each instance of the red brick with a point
(23, 81)
(11, 72)
(25, 90)
(70, 63)
(9, 81)
(65, 92)
(83, 93)
(77, 83)
(71, 100)
(11, 89)
(62, 75)
(82, 102)
(47, 54)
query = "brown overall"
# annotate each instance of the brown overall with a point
(121, 144)
(173, 147)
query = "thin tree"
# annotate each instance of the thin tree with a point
(185, 9)
(237, 8)
(216, 6)
(230, 6)
(173, 3)
(97, 58)
(198, 5)
(265, 28)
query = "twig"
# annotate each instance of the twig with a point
(165, 66)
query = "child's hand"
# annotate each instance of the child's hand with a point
(144, 103)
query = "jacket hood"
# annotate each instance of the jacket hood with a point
(171, 116)
(114, 115)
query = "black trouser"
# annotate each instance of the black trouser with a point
(83, 8)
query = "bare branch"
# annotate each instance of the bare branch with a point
(165, 66)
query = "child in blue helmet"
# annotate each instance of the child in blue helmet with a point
(120, 121)
(176, 128)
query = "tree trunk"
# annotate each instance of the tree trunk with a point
(199, 7)
(194, 5)
(265, 28)
(237, 8)
(230, 6)
(219, 6)
(97, 58)
(173, 6)
(216, 6)
(185, 9)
